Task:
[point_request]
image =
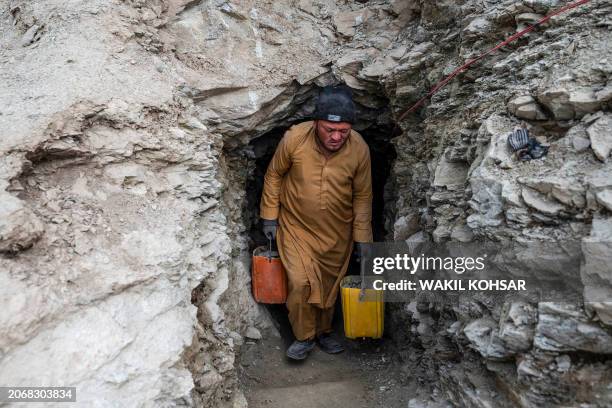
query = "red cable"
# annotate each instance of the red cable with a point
(456, 72)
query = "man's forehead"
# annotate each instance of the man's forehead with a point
(335, 125)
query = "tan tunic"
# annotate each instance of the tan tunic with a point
(323, 205)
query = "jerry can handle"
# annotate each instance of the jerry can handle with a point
(362, 274)
(269, 249)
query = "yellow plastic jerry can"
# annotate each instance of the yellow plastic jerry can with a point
(362, 318)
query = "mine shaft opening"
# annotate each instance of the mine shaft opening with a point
(382, 153)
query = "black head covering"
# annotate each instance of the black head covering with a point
(335, 104)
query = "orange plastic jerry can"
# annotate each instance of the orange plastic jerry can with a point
(268, 277)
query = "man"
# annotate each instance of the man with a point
(317, 201)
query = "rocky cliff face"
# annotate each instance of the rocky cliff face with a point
(125, 153)
(456, 179)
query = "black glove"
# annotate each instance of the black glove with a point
(533, 150)
(363, 250)
(269, 228)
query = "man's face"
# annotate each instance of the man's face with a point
(332, 135)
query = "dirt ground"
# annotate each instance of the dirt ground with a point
(367, 374)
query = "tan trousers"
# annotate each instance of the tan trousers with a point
(306, 319)
(310, 280)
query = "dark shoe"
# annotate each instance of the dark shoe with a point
(299, 349)
(329, 345)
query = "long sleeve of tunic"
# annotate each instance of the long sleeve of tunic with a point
(280, 164)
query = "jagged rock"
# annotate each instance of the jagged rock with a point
(563, 327)
(565, 190)
(584, 101)
(486, 200)
(494, 131)
(517, 326)
(20, 228)
(406, 10)
(346, 22)
(541, 6)
(441, 233)
(566, 104)
(406, 226)
(581, 143)
(253, 333)
(605, 198)
(450, 173)
(462, 233)
(600, 134)
(527, 18)
(397, 53)
(518, 216)
(557, 101)
(511, 194)
(546, 260)
(604, 95)
(499, 152)
(477, 28)
(526, 107)
(378, 68)
(311, 73)
(544, 375)
(350, 64)
(417, 55)
(472, 387)
(596, 272)
(423, 403)
(237, 338)
(599, 185)
(442, 197)
(483, 335)
(578, 138)
(540, 202)
(591, 118)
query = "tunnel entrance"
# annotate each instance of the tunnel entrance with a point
(388, 372)
(366, 373)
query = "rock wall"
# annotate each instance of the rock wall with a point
(124, 255)
(456, 179)
(123, 246)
